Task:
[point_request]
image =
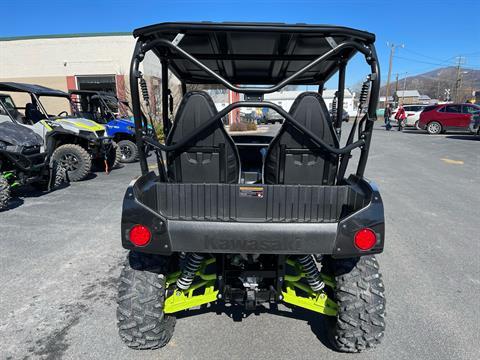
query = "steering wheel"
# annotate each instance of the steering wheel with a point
(63, 112)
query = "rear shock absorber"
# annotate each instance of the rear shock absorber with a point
(311, 271)
(192, 264)
(143, 86)
(364, 93)
(334, 109)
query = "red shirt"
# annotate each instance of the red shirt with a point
(400, 115)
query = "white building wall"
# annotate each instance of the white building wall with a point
(52, 57)
(285, 99)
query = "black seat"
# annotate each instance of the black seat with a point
(292, 158)
(211, 157)
(32, 114)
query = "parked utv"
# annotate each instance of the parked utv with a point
(77, 142)
(215, 225)
(106, 109)
(21, 160)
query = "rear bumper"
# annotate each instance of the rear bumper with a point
(253, 225)
(474, 127)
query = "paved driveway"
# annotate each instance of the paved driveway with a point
(60, 258)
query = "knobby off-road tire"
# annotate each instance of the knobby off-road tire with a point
(128, 151)
(4, 193)
(141, 295)
(75, 160)
(359, 293)
(113, 156)
(57, 176)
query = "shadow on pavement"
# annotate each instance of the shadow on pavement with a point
(415, 131)
(464, 137)
(28, 191)
(317, 322)
(13, 203)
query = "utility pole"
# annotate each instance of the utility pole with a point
(397, 75)
(404, 88)
(392, 51)
(456, 87)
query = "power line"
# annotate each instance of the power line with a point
(427, 56)
(472, 66)
(422, 61)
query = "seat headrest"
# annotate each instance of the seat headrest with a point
(309, 109)
(196, 108)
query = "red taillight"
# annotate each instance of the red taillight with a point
(365, 239)
(140, 235)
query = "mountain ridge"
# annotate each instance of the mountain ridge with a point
(433, 83)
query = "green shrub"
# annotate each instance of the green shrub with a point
(238, 126)
(158, 126)
(243, 126)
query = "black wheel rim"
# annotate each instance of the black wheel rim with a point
(69, 162)
(126, 152)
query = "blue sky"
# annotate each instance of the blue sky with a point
(434, 32)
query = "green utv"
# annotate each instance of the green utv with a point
(78, 143)
(266, 220)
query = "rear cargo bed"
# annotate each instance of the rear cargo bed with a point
(232, 218)
(252, 203)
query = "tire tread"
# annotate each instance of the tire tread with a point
(141, 321)
(359, 293)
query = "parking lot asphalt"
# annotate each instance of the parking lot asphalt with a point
(61, 256)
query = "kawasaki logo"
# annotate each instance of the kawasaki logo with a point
(252, 245)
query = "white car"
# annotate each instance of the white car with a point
(413, 114)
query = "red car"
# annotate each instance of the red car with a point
(439, 118)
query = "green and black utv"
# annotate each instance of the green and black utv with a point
(272, 220)
(22, 160)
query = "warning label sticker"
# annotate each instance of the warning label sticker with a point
(251, 191)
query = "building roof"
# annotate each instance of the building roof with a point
(382, 98)
(253, 53)
(408, 93)
(330, 93)
(31, 88)
(62, 36)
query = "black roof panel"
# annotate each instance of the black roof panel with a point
(253, 53)
(31, 88)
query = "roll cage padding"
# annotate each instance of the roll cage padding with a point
(209, 157)
(292, 157)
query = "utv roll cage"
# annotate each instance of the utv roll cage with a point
(35, 91)
(107, 103)
(266, 58)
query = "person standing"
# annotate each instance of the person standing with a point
(400, 116)
(387, 113)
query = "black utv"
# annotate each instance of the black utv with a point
(22, 160)
(263, 221)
